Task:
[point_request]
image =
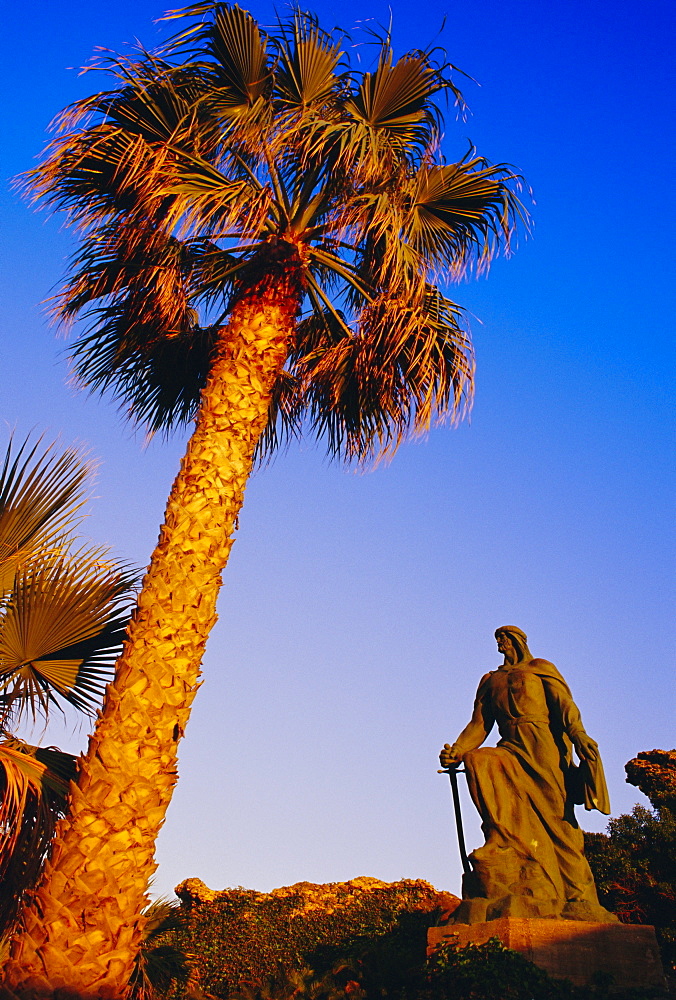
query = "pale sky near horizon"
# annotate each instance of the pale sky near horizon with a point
(358, 610)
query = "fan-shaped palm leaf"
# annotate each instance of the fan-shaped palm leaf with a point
(411, 366)
(306, 76)
(392, 115)
(61, 632)
(461, 212)
(235, 51)
(231, 51)
(156, 102)
(40, 495)
(159, 963)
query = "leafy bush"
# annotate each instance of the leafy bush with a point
(492, 972)
(246, 940)
(634, 863)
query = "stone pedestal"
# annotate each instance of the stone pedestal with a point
(569, 949)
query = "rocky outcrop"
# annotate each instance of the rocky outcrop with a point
(654, 772)
(411, 895)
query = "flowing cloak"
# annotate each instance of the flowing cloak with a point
(525, 787)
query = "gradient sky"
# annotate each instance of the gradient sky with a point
(358, 609)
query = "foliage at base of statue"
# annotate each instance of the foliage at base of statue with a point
(492, 972)
(380, 971)
(391, 968)
(634, 863)
(245, 940)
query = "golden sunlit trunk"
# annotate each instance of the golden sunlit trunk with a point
(80, 935)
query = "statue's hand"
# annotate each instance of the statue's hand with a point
(586, 747)
(447, 757)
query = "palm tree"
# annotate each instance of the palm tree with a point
(62, 622)
(265, 230)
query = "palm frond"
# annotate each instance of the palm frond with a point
(159, 963)
(40, 495)
(61, 632)
(142, 265)
(396, 95)
(200, 195)
(410, 366)
(34, 784)
(463, 212)
(308, 58)
(237, 49)
(144, 344)
(62, 623)
(157, 382)
(92, 174)
(392, 115)
(231, 52)
(116, 152)
(157, 102)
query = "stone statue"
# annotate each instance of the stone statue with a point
(533, 863)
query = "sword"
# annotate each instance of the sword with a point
(452, 773)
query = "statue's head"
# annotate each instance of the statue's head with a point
(518, 638)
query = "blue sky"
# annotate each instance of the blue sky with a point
(358, 609)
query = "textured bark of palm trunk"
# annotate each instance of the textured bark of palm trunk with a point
(79, 936)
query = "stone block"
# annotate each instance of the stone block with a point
(569, 949)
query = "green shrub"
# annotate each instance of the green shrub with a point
(634, 864)
(492, 972)
(246, 940)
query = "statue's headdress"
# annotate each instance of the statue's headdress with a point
(513, 630)
(519, 638)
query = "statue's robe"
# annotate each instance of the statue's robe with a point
(526, 786)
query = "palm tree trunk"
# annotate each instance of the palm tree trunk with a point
(81, 933)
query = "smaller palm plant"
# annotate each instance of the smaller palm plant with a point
(63, 615)
(159, 964)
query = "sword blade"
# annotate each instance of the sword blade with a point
(453, 775)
